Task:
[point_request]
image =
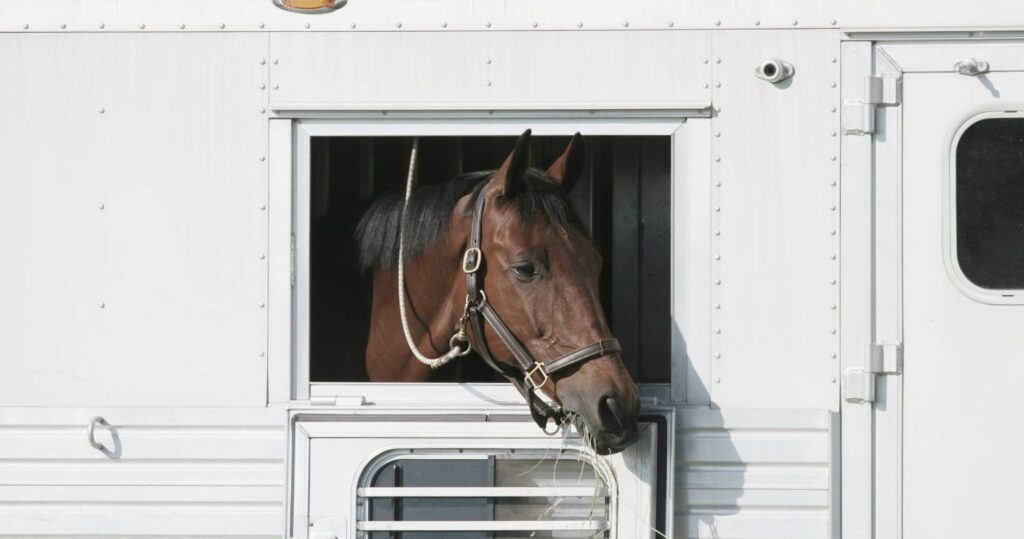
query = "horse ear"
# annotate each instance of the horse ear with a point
(510, 176)
(569, 166)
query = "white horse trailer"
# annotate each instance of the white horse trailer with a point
(831, 192)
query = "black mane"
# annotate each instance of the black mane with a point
(430, 209)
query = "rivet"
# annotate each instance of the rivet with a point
(833, 306)
(487, 24)
(488, 61)
(277, 87)
(718, 331)
(263, 256)
(221, 26)
(262, 305)
(832, 208)
(671, 24)
(718, 257)
(705, 85)
(718, 282)
(718, 356)
(832, 233)
(718, 60)
(832, 282)
(718, 109)
(263, 354)
(832, 109)
(307, 26)
(832, 59)
(833, 133)
(103, 305)
(718, 232)
(102, 110)
(832, 22)
(351, 25)
(102, 26)
(263, 111)
(833, 380)
(757, 23)
(142, 26)
(718, 85)
(275, 61)
(488, 83)
(705, 60)
(398, 25)
(262, 26)
(102, 206)
(263, 61)
(832, 331)
(794, 23)
(444, 25)
(534, 24)
(579, 25)
(63, 26)
(833, 85)
(718, 134)
(25, 26)
(834, 158)
(718, 380)
(833, 257)
(717, 209)
(718, 159)
(263, 207)
(263, 87)
(833, 356)
(263, 158)
(718, 306)
(718, 184)
(625, 24)
(718, 23)
(181, 26)
(833, 184)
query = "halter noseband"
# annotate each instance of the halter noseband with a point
(532, 374)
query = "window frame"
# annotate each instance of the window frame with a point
(304, 127)
(994, 296)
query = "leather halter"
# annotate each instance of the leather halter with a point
(532, 374)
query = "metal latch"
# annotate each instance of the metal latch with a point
(332, 400)
(882, 358)
(879, 91)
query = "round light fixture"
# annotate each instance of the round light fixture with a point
(310, 6)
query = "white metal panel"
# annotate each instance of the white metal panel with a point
(755, 473)
(481, 70)
(495, 15)
(280, 265)
(131, 218)
(962, 369)
(173, 472)
(775, 223)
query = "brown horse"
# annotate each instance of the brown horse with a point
(540, 272)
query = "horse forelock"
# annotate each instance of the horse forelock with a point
(430, 209)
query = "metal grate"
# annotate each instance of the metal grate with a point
(482, 494)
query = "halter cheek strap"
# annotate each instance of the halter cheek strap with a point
(531, 374)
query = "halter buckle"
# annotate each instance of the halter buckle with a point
(471, 265)
(537, 367)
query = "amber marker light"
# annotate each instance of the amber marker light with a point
(310, 6)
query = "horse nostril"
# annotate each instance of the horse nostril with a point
(608, 413)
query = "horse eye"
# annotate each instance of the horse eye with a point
(525, 270)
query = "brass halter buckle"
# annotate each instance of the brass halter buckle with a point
(537, 367)
(477, 259)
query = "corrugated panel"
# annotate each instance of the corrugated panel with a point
(175, 473)
(754, 474)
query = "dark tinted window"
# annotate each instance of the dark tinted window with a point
(990, 203)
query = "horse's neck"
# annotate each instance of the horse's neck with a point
(433, 283)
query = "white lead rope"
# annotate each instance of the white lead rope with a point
(460, 337)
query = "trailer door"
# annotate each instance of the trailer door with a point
(963, 288)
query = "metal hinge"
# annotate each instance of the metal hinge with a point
(882, 358)
(879, 91)
(292, 261)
